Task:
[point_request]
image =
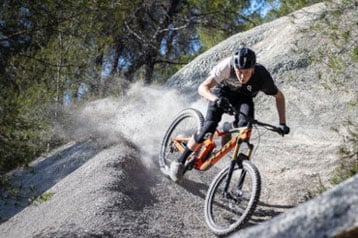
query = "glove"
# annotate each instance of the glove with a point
(224, 104)
(285, 129)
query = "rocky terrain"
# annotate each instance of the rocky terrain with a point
(106, 183)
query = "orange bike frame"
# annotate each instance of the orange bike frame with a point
(201, 161)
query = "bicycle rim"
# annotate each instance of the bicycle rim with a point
(188, 122)
(225, 214)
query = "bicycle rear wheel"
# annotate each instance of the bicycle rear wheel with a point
(227, 212)
(188, 122)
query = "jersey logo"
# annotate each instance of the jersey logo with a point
(249, 88)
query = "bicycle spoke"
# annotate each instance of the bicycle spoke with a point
(230, 209)
(184, 126)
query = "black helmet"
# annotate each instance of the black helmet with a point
(244, 58)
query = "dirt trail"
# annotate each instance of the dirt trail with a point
(107, 183)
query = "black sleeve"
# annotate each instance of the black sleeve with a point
(268, 85)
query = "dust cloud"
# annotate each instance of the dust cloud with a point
(139, 117)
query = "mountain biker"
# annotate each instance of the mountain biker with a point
(235, 81)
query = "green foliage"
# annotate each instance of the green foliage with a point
(49, 52)
(217, 20)
(347, 169)
(42, 198)
(348, 153)
(4, 184)
(354, 54)
(312, 193)
(348, 163)
(336, 47)
(338, 52)
(209, 39)
(55, 52)
(8, 191)
(288, 6)
(24, 132)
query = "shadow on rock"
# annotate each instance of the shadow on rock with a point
(264, 212)
(26, 185)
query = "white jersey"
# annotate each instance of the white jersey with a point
(223, 71)
(261, 80)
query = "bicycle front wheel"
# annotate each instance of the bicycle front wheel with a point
(228, 211)
(188, 122)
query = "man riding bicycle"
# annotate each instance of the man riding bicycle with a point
(234, 81)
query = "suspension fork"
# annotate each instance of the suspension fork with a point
(237, 159)
(231, 168)
(228, 178)
(242, 157)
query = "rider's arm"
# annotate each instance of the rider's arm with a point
(205, 88)
(281, 107)
(219, 73)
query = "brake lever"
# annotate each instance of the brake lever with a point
(279, 131)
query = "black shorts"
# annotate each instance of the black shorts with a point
(214, 114)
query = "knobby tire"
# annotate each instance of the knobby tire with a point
(224, 215)
(185, 124)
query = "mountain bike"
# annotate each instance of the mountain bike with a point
(235, 191)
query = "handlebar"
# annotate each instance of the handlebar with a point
(253, 121)
(269, 127)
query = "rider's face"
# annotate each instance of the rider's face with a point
(244, 75)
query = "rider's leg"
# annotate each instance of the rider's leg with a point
(242, 104)
(189, 148)
(227, 136)
(208, 129)
(176, 170)
(246, 106)
(212, 119)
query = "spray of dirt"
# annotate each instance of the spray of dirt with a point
(140, 117)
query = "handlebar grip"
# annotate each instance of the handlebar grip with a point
(280, 131)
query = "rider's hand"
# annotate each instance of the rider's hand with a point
(224, 104)
(285, 129)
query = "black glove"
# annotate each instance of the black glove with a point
(224, 104)
(285, 129)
